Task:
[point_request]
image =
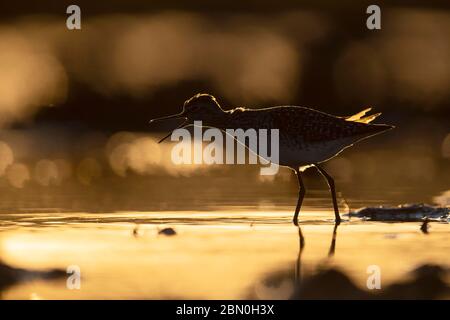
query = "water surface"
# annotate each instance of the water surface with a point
(221, 254)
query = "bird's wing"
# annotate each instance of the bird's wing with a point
(313, 126)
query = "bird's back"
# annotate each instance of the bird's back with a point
(307, 125)
(306, 135)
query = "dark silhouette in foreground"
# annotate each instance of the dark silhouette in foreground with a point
(426, 282)
(10, 276)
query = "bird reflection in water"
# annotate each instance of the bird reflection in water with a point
(301, 238)
(425, 282)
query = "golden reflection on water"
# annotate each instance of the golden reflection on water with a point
(217, 255)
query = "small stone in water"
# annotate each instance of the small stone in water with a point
(167, 231)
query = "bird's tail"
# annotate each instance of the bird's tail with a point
(359, 117)
(373, 129)
(363, 131)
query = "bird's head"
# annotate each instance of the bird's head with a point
(201, 107)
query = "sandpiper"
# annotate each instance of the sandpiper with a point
(307, 137)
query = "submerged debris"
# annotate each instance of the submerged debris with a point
(167, 231)
(406, 212)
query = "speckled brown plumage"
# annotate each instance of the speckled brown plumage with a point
(301, 123)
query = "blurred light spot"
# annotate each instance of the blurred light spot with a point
(143, 154)
(419, 69)
(247, 59)
(17, 175)
(29, 77)
(46, 173)
(117, 139)
(88, 170)
(416, 55)
(6, 157)
(118, 159)
(35, 296)
(408, 64)
(248, 63)
(263, 65)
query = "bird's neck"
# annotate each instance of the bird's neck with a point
(229, 119)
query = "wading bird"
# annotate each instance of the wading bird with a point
(307, 137)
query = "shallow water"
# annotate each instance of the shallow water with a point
(222, 254)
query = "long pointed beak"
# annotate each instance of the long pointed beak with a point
(175, 116)
(170, 133)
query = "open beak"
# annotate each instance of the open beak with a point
(175, 116)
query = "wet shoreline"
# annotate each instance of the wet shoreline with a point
(212, 255)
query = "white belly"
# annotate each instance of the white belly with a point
(292, 155)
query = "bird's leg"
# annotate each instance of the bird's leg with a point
(301, 195)
(330, 182)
